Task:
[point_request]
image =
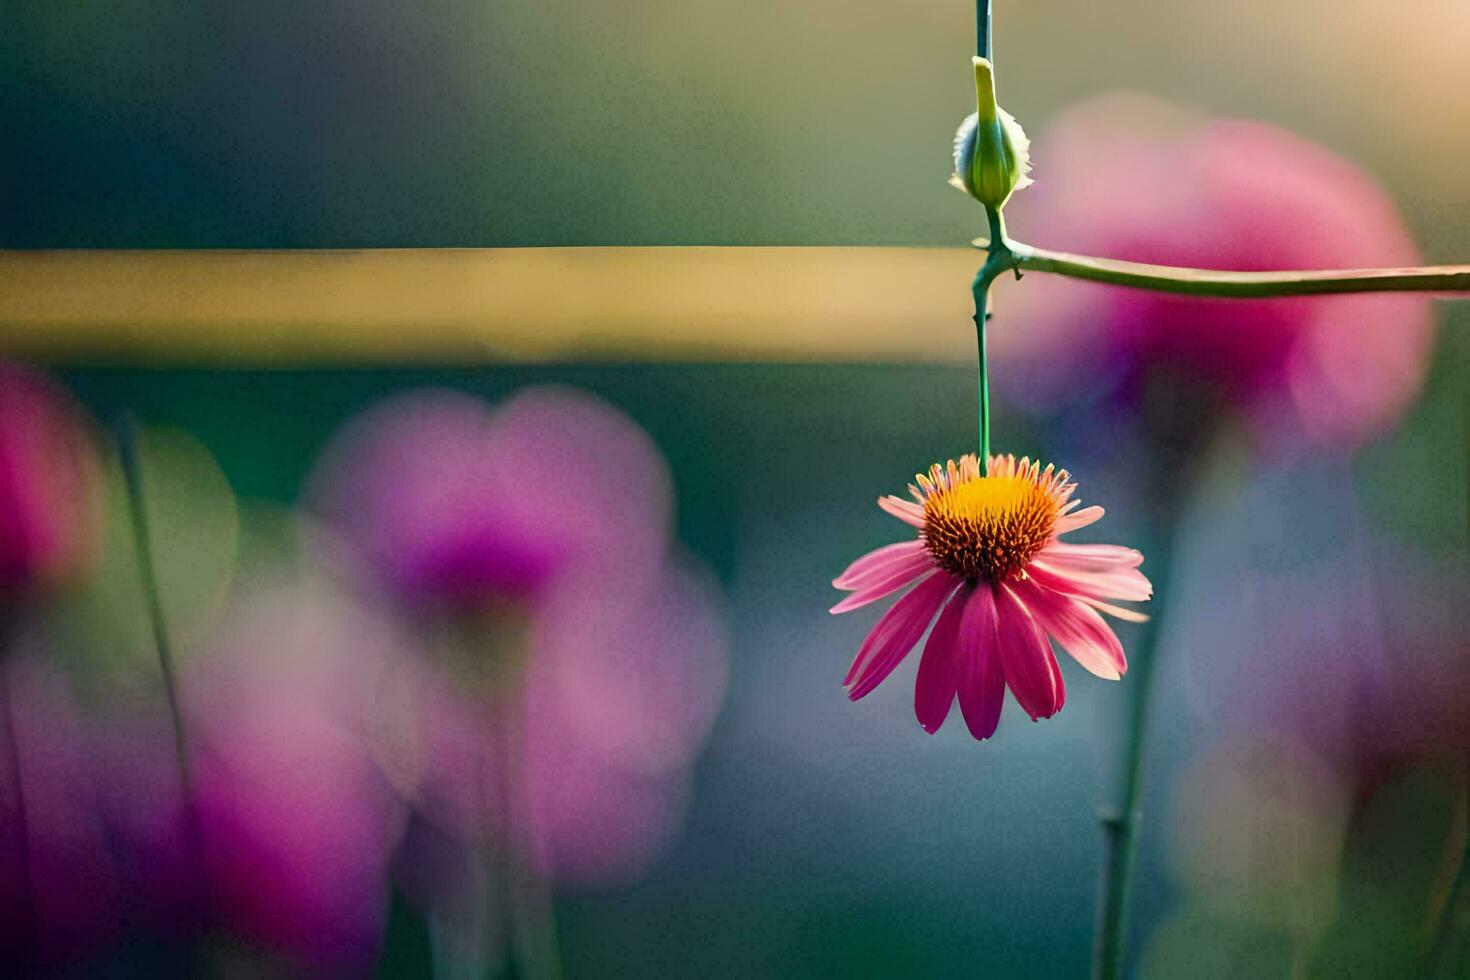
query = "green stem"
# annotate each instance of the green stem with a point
(1444, 927)
(132, 468)
(980, 288)
(1120, 826)
(997, 260)
(1236, 285)
(529, 900)
(1120, 829)
(982, 29)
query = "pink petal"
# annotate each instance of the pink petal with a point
(874, 562)
(888, 581)
(1098, 554)
(1030, 668)
(1130, 615)
(982, 681)
(1079, 630)
(1056, 673)
(910, 513)
(939, 669)
(1060, 575)
(1071, 522)
(895, 634)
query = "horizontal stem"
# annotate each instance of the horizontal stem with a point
(1237, 285)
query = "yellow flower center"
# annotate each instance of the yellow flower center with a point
(988, 527)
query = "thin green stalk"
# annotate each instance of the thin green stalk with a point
(997, 261)
(982, 29)
(1237, 285)
(532, 906)
(980, 288)
(1120, 826)
(127, 433)
(1444, 927)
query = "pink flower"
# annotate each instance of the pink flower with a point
(620, 694)
(296, 817)
(450, 501)
(1128, 177)
(50, 487)
(549, 516)
(285, 836)
(989, 562)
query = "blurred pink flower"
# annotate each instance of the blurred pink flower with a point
(556, 509)
(449, 501)
(50, 486)
(295, 815)
(621, 691)
(1127, 177)
(989, 556)
(587, 769)
(286, 838)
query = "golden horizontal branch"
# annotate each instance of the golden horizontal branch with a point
(470, 305)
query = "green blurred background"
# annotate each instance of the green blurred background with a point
(159, 123)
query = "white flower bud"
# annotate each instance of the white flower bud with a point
(991, 151)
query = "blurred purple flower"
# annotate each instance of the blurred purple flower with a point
(588, 769)
(556, 509)
(448, 501)
(296, 817)
(637, 671)
(1127, 177)
(286, 839)
(621, 691)
(50, 486)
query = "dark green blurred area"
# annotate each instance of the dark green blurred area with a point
(162, 123)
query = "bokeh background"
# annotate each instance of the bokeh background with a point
(1305, 463)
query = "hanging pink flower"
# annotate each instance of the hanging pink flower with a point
(988, 561)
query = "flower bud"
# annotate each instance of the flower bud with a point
(991, 152)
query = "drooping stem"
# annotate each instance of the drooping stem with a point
(127, 435)
(981, 290)
(1444, 926)
(1236, 285)
(997, 261)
